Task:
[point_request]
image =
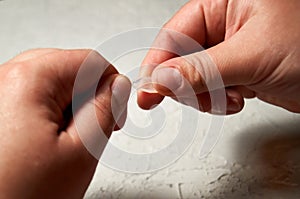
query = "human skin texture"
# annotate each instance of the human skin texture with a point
(42, 155)
(254, 44)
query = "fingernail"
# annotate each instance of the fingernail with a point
(167, 77)
(144, 84)
(233, 105)
(121, 90)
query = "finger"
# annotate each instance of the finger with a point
(201, 21)
(121, 121)
(229, 63)
(244, 91)
(195, 20)
(94, 121)
(235, 102)
(32, 54)
(148, 100)
(70, 72)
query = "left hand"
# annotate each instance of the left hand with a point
(41, 153)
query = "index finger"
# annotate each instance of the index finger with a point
(195, 20)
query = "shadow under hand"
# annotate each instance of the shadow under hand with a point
(269, 169)
(280, 157)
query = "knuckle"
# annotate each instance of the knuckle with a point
(102, 106)
(18, 71)
(16, 80)
(192, 73)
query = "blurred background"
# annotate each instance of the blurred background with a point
(258, 155)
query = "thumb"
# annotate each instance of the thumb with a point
(95, 119)
(226, 64)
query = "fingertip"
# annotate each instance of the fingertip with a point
(235, 101)
(120, 88)
(147, 100)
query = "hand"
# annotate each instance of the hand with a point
(254, 44)
(41, 153)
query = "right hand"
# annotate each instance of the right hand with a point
(254, 44)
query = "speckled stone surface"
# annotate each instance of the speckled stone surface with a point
(258, 155)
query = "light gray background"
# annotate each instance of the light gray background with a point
(258, 155)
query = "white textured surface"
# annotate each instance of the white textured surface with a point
(258, 155)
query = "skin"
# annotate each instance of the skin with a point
(41, 153)
(254, 44)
